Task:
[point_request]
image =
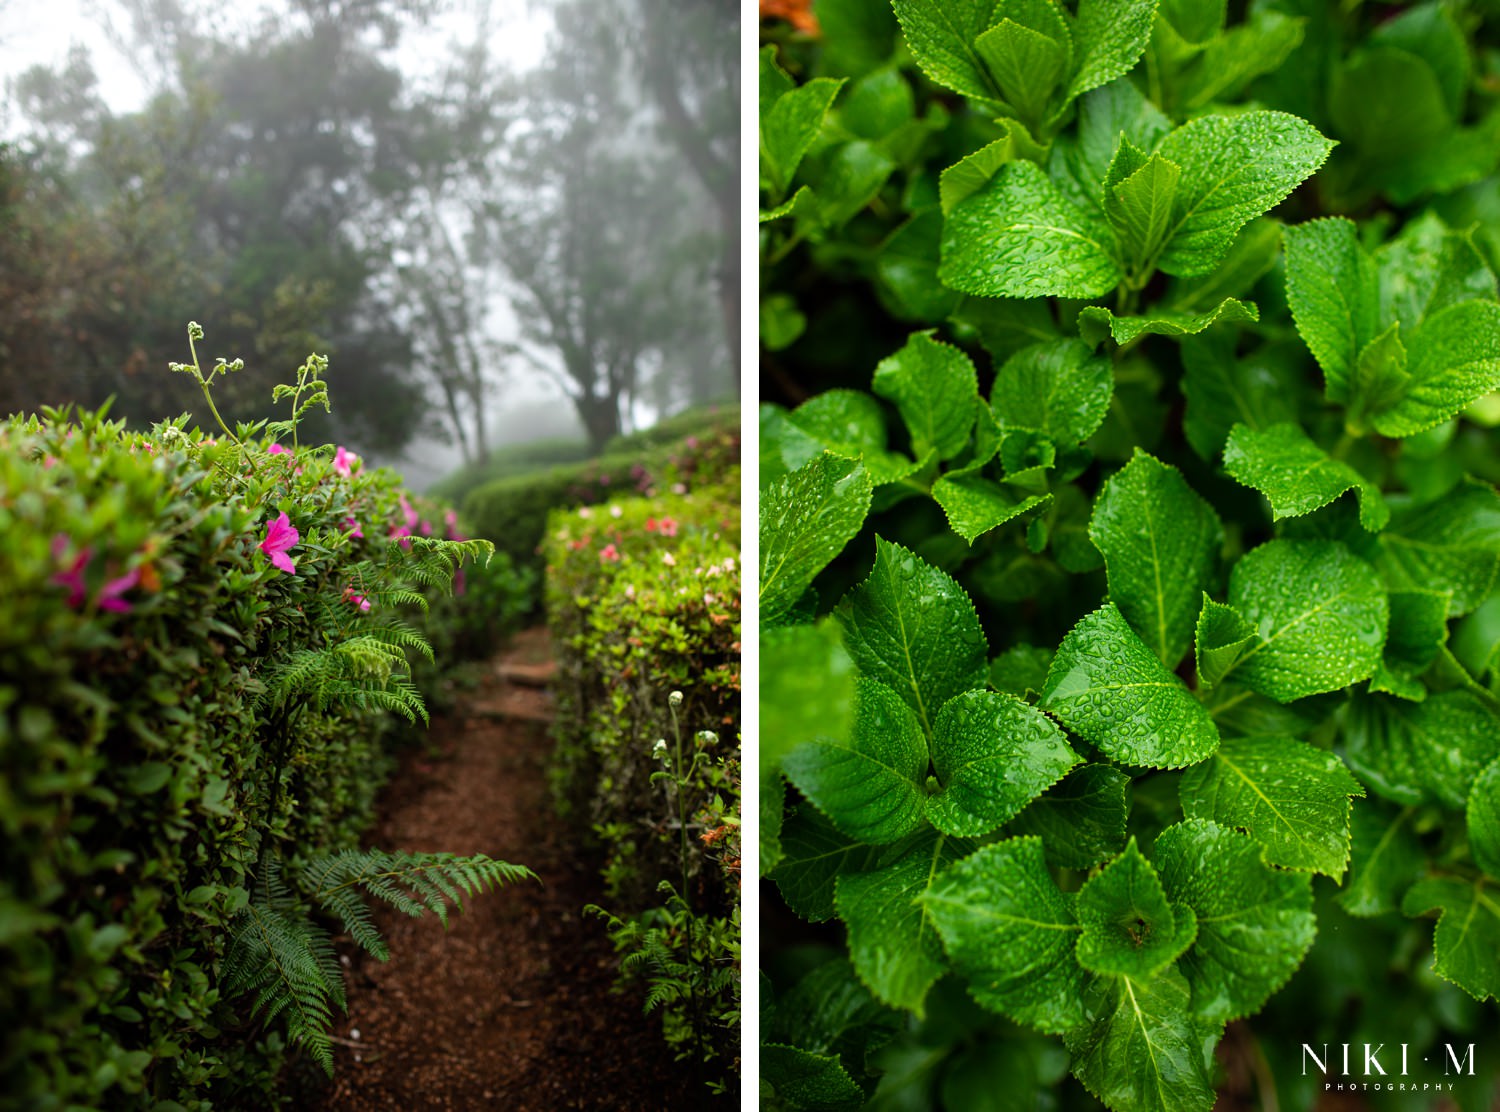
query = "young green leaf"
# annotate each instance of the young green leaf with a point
(1296, 475)
(1138, 196)
(975, 503)
(1290, 797)
(936, 390)
(973, 172)
(846, 423)
(1320, 612)
(1081, 820)
(913, 628)
(1255, 923)
(1160, 542)
(1107, 686)
(813, 854)
(1467, 938)
(1143, 1050)
(1010, 934)
(993, 755)
(870, 786)
(1222, 638)
(892, 939)
(806, 519)
(1128, 927)
(1095, 322)
(790, 118)
(1059, 388)
(1111, 36)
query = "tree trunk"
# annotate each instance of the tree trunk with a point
(601, 420)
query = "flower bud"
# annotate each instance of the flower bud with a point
(675, 699)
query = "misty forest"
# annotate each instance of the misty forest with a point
(369, 553)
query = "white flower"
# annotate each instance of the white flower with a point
(675, 698)
(585, 511)
(615, 511)
(668, 559)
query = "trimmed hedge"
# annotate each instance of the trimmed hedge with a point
(140, 621)
(699, 422)
(513, 512)
(643, 599)
(507, 463)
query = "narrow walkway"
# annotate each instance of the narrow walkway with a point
(511, 1007)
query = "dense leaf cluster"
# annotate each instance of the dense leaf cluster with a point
(1129, 543)
(173, 710)
(643, 599)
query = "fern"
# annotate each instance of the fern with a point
(368, 670)
(287, 961)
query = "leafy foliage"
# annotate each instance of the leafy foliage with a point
(1130, 699)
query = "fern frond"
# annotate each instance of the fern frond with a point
(397, 633)
(287, 963)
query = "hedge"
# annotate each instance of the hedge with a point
(507, 463)
(143, 626)
(643, 599)
(513, 512)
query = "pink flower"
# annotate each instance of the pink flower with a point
(281, 535)
(411, 515)
(344, 461)
(350, 595)
(72, 576)
(691, 442)
(651, 525)
(668, 527)
(278, 450)
(353, 527)
(109, 595)
(399, 533)
(460, 582)
(426, 529)
(609, 552)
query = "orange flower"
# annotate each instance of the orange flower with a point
(798, 13)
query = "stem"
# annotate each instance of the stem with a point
(209, 398)
(680, 779)
(1472, 686)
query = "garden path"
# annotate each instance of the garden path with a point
(511, 1007)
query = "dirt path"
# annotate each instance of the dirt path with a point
(511, 1007)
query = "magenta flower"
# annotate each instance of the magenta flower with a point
(609, 552)
(426, 529)
(399, 533)
(281, 535)
(109, 596)
(343, 462)
(278, 450)
(411, 515)
(353, 527)
(359, 600)
(460, 582)
(72, 576)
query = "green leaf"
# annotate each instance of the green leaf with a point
(781, 322)
(993, 755)
(976, 504)
(850, 179)
(1234, 168)
(806, 519)
(1027, 65)
(789, 120)
(1255, 923)
(1418, 629)
(1081, 821)
(870, 786)
(1222, 638)
(1429, 32)
(1020, 670)
(1425, 752)
(1256, 250)
(1060, 388)
(1020, 237)
(815, 1082)
(1095, 322)
(813, 854)
(1129, 928)
(1296, 475)
(1232, 59)
(1320, 613)
(849, 423)
(1454, 361)
(1142, 1050)
(1259, 390)
(973, 172)
(907, 269)
(1010, 934)
(1467, 938)
(892, 940)
(1450, 545)
(941, 34)
(1385, 859)
(1108, 687)
(913, 628)
(857, 36)
(1483, 820)
(936, 390)
(1290, 797)
(1111, 36)
(1160, 542)
(1139, 204)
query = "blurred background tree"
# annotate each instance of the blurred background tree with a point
(458, 227)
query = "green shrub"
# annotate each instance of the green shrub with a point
(158, 739)
(1130, 710)
(643, 600)
(513, 512)
(700, 421)
(506, 463)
